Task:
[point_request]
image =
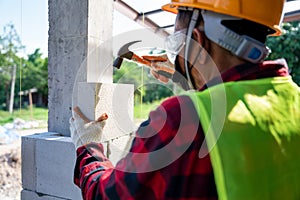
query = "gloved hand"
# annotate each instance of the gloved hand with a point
(165, 66)
(83, 130)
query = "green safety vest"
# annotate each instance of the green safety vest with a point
(252, 130)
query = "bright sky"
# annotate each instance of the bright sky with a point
(30, 18)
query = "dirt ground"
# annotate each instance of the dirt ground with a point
(10, 167)
(10, 171)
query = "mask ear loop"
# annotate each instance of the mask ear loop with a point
(191, 27)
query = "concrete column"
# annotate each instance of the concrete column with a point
(77, 29)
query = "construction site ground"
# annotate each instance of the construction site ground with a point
(10, 166)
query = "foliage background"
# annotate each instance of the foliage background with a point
(288, 46)
(32, 72)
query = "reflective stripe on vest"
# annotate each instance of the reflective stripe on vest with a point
(253, 131)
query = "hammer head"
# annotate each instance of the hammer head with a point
(124, 52)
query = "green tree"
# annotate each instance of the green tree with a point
(10, 45)
(145, 85)
(31, 72)
(155, 92)
(288, 46)
(130, 73)
(35, 73)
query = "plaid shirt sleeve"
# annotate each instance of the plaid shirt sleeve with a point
(163, 162)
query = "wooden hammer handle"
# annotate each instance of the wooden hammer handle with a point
(140, 60)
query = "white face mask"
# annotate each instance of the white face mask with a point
(174, 43)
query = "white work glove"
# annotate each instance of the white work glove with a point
(83, 130)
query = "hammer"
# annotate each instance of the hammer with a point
(124, 52)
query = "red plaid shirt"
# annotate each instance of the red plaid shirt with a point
(174, 126)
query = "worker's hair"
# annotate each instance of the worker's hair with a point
(184, 16)
(241, 27)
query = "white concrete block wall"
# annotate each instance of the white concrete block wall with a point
(119, 147)
(55, 158)
(29, 167)
(51, 173)
(117, 101)
(86, 98)
(48, 174)
(28, 163)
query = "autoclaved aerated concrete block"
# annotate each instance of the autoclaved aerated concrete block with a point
(30, 195)
(28, 149)
(116, 100)
(51, 172)
(55, 161)
(28, 163)
(119, 147)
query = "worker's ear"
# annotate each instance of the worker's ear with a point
(197, 45)
(202, 47)
(198, 36)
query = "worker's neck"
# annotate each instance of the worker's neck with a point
(224, 60)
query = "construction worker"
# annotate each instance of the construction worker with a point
(236, 136)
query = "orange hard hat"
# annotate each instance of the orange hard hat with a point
(265, 12)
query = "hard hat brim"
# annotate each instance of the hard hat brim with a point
(170, 8)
